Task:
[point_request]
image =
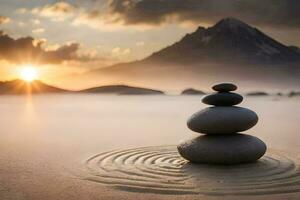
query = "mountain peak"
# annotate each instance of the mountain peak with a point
(229, 40)
(226, 23)
(231, 22)
(234, 25)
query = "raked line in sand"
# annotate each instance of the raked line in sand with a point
(162, 170)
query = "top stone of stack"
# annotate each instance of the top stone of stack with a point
(224, 87)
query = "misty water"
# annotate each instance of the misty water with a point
(102, 122)
(47, 137)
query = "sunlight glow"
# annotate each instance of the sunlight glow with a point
(28, 73)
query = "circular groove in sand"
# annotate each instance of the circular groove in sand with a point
(162, 170)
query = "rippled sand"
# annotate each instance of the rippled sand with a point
(161, 170)
(110, 147)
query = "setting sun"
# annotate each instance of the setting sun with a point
(28, 73)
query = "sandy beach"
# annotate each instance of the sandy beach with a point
(47, 141)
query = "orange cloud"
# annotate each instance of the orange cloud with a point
(92, 17)
(145, 14)
(29, 50)
(39, 30)
(4, 20)
(58, 11)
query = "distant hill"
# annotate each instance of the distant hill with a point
(191, 91)
(257, 94)
(23, 87)
(121, 90)
(231, 50)
(293, 93)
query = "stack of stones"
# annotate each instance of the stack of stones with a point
(222, 124)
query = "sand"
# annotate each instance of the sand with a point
(55, 147)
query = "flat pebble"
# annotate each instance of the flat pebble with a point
(222, 120)
(223, 99)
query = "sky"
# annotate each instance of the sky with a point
(61, 38)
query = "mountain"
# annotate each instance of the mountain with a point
(122, 90)
(23, 87)
(230, 40)
(229, 51)
(295, 48)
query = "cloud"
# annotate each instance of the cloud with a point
(96, 20)
(116, 14)
(21, 11)
(21, 24)
(38, 31)
(118, 51)
(95, 17)
(140, 44)
(4, 20)
(58, 11)
(35, 21)
(30, 50)
(155, 12)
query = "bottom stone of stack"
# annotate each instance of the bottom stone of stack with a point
(226, 149)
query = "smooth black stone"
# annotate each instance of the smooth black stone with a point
(223, 99)
(222, 120)
(222, 149)
(225, 87)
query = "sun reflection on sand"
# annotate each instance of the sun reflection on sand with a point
(30, 116)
